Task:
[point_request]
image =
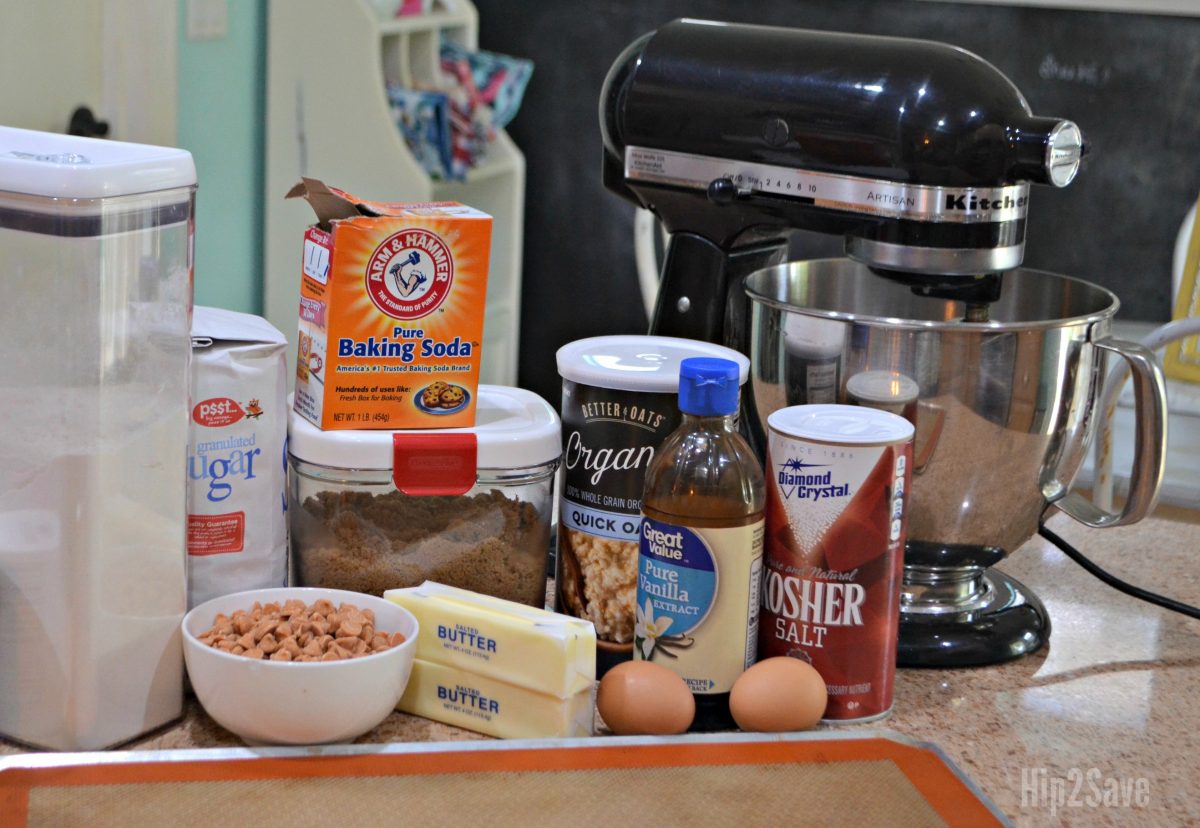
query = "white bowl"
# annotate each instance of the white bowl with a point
(298, 703)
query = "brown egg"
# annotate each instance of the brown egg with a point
(641, 697)
(778, 694)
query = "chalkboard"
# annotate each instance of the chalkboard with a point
(1131, 81)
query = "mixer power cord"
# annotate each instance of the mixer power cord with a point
(1115, 582)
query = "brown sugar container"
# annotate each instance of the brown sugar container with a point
(620, 400)
(372, 510)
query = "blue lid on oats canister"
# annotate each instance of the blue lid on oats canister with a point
(620, 400)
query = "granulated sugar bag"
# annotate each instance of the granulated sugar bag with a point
(237, 472)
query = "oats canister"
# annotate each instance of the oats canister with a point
(619, 402)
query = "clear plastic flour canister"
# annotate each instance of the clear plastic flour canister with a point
(95, 332)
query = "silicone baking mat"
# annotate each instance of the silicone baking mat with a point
(724, 779)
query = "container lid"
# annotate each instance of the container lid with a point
(708, 386)
(882, 387)
(811, 337)
(842, 424)
(67, 166)
(638, 363)
(513, 429)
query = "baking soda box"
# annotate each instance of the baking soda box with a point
(391, 312)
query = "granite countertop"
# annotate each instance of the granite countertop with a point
(1114, 698)
(1110, 705)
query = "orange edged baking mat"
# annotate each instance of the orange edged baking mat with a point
(862, 779)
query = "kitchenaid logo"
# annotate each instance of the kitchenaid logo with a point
(969, 202)
(796, 482)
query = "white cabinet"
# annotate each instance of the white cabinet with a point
(328, 66)
(118, 57)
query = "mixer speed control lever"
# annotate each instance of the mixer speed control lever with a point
(722, 191)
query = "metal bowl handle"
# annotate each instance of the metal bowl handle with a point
(1150, 442)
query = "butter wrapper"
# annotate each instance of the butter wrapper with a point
(476, 702)
(546, 652)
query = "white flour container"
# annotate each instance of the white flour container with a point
(94, 332)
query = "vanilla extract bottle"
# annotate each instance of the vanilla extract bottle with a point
(701, 545)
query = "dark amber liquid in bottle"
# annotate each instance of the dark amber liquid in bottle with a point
(704, 476)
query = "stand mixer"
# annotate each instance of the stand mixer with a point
(921, 156)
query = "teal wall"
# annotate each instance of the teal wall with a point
(221, 122)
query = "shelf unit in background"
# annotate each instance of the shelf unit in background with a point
(328, 67)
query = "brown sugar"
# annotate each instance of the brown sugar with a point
(370, 543)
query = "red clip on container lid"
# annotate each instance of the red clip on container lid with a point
(433, 464)
(514, 429)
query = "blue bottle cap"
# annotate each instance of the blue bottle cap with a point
(708, 386)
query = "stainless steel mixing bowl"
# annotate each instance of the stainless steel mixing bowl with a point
(1004, 408)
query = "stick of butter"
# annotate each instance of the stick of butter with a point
(464, 699)
(532, 648)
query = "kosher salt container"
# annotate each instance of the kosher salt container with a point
(838, 482)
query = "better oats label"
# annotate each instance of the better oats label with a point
(609, 438)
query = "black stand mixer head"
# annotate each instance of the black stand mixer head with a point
(919, 154)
